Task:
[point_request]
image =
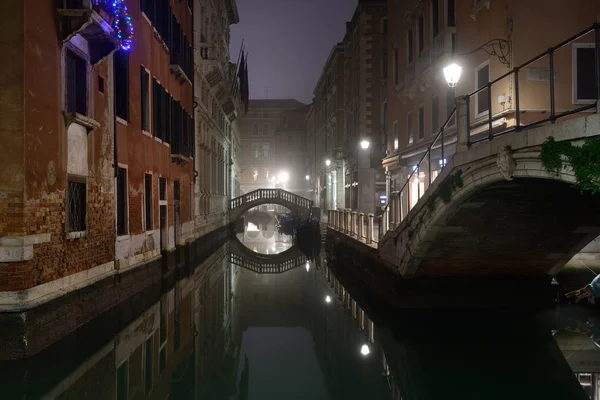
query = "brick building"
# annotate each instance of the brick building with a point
(257, 161)
(435, 33)
(109, 161)
(57, 193)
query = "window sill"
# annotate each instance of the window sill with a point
(158, 139)
(76, 235)
(122, 121)
(146, 133)
(478, 7)
(122, 238)
(72, 117)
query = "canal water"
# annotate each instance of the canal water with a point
(228, 332)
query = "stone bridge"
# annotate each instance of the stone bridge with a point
(242, 256)
(298, 205)
(493, 210)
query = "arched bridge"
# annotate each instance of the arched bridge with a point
(242, 256)
(296, 204)
(494, 210)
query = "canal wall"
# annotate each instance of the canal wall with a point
(26, 332)
(360, 265)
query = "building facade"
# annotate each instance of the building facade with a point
(291, 150)
(118, 141)
(216, 111)
(257, 160)
(434, 33)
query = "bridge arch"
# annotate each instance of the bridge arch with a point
(530, 225)
(298, 205)
(242, 256)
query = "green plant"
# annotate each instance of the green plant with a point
(584, 160)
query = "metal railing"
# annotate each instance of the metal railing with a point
(270, 194)
(514, 73)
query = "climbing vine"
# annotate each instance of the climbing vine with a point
(446, 188)
(584, 160)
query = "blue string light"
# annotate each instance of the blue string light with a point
(122, 21)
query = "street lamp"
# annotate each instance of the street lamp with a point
(307, 177)
(328, 162)
(364, 350)
(365, 144)
(327, 299)
(452, 74)
(499, 48)
(307, 266)
(284, 176)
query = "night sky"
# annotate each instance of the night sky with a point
(288, 42)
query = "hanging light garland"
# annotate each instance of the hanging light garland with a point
(121, 20)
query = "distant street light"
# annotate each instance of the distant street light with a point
(284, 176)
(452, 74)
(328, 162)
(365, 144)
(364, 350)
(307, 177)
(307, 266)
(327, 299)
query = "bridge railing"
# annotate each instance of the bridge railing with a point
(266, 267)
(444, 144)
(270, 194)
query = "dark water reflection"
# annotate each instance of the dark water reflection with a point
(229, 333)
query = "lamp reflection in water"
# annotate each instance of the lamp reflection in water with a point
(364, 350)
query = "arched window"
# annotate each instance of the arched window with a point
(265, 129)
(255, 130)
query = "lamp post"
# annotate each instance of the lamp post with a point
(499, 48)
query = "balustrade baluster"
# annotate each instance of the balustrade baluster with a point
(370, 228)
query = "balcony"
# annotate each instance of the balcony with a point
(86, 18)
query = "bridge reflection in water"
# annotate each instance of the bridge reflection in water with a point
(225, 332)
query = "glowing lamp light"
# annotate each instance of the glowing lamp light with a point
(364, 350)
(452, 74)
(328, 162)
(307, 177)
(284, 176)
(307, 266)
(327, 299)
(365, 144)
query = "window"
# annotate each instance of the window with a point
(76, 81)
(76, 205)
(255, 130)
(254, 175)
(421, 122)
(123, 381)
(395, 132)
(148, 365)
(145, 84)
(148, 201)
(435, 114)
(255, 150)
(409, 45)
(265, 150)
(409, 128)
(266, 171)
(435, 17)
(121, 70)
(584, 79)
(450, 13)
(265, 129)
(101, 84)
(482, 73)
(162, 188)
(421, 33)
(396, 74)
(290, 139)
(122, 216)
